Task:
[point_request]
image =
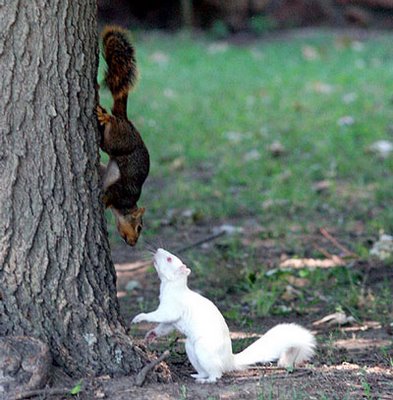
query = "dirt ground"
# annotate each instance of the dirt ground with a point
(352, 361)
(349, 364)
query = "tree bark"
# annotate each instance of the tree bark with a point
(57, 280)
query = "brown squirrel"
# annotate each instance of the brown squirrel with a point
(129, 161)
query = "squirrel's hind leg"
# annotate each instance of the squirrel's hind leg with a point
(194, 362)
(102, 171)
(111, 174)
(210, 379)
(208, 366)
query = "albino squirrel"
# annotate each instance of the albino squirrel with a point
(208, 344)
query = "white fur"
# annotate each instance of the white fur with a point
(110, 174)
(208, 344)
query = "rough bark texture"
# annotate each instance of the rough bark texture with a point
(57, 281)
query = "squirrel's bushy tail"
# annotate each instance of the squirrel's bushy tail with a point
(290, 344)
(122, 74)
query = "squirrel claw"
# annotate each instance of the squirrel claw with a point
(106, 200)
(150, 336)
(102, 116)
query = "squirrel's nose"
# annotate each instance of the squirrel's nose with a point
(130, 242)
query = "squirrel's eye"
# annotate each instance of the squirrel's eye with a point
(169, 259)
(139, 229)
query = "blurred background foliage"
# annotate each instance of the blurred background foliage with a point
(253, 16)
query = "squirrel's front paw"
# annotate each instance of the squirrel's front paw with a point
(102, 116)
(106, 200)
(139, 318)
(150, 336)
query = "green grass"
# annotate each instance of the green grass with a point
(209, 113)
(191, 100)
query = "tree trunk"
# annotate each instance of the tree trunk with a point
(57, 280)
(186, 8)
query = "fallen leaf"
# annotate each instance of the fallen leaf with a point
(360, 64)
(250, 101)
(290, 293)
(382, 148)
(235, 137)
(252, 155)
(357, 46)
(310, 53)
(284, 176)
(383, 248)
(321, 87)
(159, 57)
(349, 98)
(347, 120)
(257, 54)
(169, 93)
(271, 203)
(299, 282)
(228, 229)
(297, 263)
(215, 48)
(283, 309)
(322, 186)
(77, 388)
(177, 164)
(338, 318)
(132, 285)
(99, 394)
(276, 149)
(192, 215)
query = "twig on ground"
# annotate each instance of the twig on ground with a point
(140, 378)
(40, 392)
(296, 374)
(140, 264)
(199, 242)
(329, 237)
(324, 252)
(282, 374)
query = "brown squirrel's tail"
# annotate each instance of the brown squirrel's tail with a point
(122, 73)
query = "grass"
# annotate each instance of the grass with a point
(209, 113)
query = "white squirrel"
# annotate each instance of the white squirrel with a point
(208, 344)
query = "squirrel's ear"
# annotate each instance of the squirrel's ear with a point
(138, 212)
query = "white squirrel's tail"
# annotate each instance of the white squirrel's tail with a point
(290, 344)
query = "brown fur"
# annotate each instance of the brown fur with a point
(121, 140)
(122, 73)
(130, 225)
